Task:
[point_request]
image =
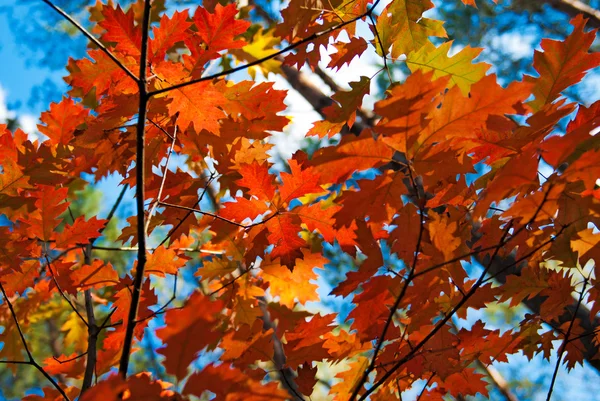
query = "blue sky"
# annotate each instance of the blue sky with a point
(18, 77)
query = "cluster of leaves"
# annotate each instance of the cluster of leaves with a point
(266, 231)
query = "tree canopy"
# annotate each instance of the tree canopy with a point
(366, 266)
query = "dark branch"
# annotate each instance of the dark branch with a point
(31, 361)
(93, 332)
(563, 347)
(139, 193)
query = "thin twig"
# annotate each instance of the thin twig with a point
(232, 281)
(61, 292)
(135, 249)
(112, 211)
(216, 216)
(92, 38)
(162, 182)
(189, 213)
(69, 359)
(17, 325)
(563, 346)
(162, 308)
(286, 49)
(383, 51)
(425, 386)
(463, 300)
(396, 304)
(285, 373)
(31, 361)
(164, 131)
(398, 364)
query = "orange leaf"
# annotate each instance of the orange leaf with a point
(232, 384)
(291, 285)
(96, 275)
(307, 379)
(50, 203)
(164, 261)
(60, 122)
(121, 31)
(257, 179)
(187, 331)
(218, 30)
(298, 183)
(346, 52)
(80, 232)
(283, 234)
(562, 63)
(243, 209)
(168, 33)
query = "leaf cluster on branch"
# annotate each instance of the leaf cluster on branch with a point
(399, 196)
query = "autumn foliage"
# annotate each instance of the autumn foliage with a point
(427, 235)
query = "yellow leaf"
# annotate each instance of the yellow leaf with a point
(262, 45)
(291, 285)
(403, 28)
(76, 332)
(463, 73)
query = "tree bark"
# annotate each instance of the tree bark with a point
(575, 7)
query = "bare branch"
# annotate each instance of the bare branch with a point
(190, 212)
(139, 193)
(383, 51)
(162, 182)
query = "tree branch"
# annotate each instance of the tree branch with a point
(565, 342)
(286, 375)
(286, 49)
(396, 304)
(31, 361)
(139, 193)
(92, 38)
(162, 182)
(93, 332)
(575, 7)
